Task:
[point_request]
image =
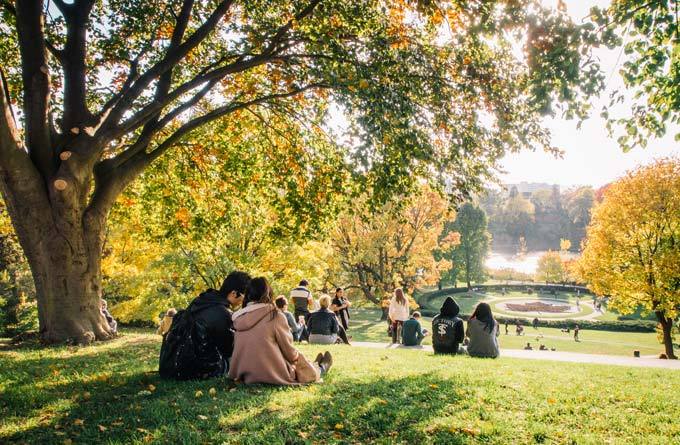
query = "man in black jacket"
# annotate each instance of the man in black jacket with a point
(447, 329)
(214, 309)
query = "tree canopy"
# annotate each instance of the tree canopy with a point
(93, 93)
(632, 250)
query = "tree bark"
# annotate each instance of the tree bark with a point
(667, 326)
(65, 260)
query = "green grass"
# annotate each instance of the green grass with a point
(365, 326)
(101, 394)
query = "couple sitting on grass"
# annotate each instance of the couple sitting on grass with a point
(252, 345)
(481, 335)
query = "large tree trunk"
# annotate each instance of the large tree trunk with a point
(666, 326)
(66, 265)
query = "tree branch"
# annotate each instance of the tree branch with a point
(56, 52)
(171, 58)
(220, 112)
(76, 113)
(36, 84)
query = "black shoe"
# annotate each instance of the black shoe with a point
(326, 362)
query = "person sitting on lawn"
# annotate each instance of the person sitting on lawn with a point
(296, 327)
(412, 334)
(398, 313)
(113, 324)
(323, 326)
(263, 345)
(214, 309)
(166, 322)
(447, 329)
(519, 329)
(482, 329)
(528, 347)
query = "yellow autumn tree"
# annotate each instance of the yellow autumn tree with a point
(381, 249)
(632, 249)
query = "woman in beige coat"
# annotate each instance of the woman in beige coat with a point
(263, 344)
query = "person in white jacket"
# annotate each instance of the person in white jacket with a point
(398, 313)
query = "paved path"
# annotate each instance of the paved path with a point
(575, 357)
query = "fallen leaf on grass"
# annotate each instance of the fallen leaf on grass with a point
(551, 401)
(79, 422)
(434, 386)
(212, 392)
(198, 394)
(87, 395)
(102, 428)
(303, 434)
(144, 392)
(202, 417)
(117, 423)
(151, 388)
(339, 426)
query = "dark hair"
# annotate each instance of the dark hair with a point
(303, 283)
(338, 289)
(281, 302)
(483, 313)
(258, 291)
(236, 281)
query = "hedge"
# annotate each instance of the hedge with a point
(596, 325)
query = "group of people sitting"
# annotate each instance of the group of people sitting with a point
(243, 331)
(448, 333)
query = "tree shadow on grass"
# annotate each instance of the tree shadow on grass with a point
(126, 409)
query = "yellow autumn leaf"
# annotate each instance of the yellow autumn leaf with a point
(198, 394)
(339, 426)
(212, 392)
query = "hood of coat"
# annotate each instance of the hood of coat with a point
(449, 308)
(244, 319)
(211, 297)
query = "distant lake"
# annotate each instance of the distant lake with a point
(525, 264)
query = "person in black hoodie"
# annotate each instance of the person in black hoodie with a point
(447, 329)
(214, 308)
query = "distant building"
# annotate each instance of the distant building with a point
(526, 189)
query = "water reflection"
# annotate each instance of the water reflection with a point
(525, 264)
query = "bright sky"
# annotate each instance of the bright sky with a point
(591, 157)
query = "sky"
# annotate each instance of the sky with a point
(591, 157)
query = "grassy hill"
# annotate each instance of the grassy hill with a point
(365, 327)
(110, 393)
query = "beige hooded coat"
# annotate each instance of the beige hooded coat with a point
(264, 351)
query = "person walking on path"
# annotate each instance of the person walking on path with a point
(398, 313)
(447, 329)
(576, 329)
(482, 329)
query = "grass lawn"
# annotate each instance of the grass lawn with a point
(365, 327)
(110, 393)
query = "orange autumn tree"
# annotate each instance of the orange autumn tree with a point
(632, 249)
(381, 249)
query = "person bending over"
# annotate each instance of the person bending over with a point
(447, 329)
(263, 345)
(482, 329)
(412, 334)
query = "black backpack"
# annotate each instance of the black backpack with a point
(187, 352)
